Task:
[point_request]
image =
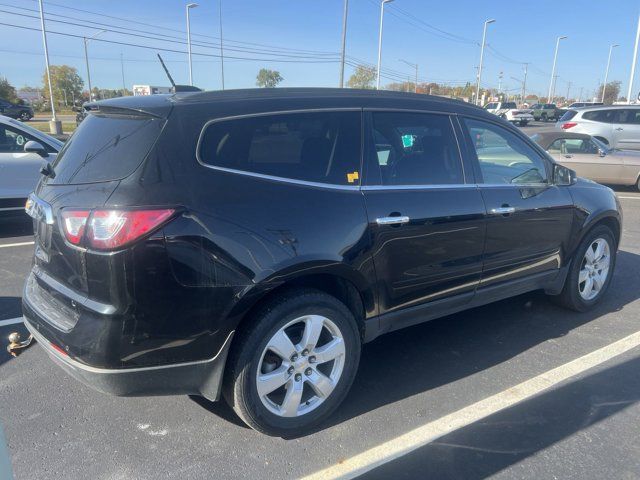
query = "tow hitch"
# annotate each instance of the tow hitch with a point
(16, 346)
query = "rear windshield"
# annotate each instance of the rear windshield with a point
(105, 147)
(569, 114)
(510, 105)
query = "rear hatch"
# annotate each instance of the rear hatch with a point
(108, 146)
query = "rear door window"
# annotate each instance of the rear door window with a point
(320, 147)
(603, 116)
(105, 147)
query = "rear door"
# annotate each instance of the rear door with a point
(626, 129)
(426, 216)
(528, 218)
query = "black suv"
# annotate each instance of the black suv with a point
(18, 111)
(249, 242)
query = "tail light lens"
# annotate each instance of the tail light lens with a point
(74, 223)
(568, 125)
(111, 229)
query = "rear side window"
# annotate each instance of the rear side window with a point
(509, 105)
(105, 147)
(604, 116)
(568, 115)
(321, 147)
(414, 149)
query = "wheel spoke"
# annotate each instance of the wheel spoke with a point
(291, 402)
(321, 384)
(312, 329)
(599, 251)
(589, 255)
(281, 344)
(584, 274)
(598, 281)
(268, 382)
(588, 286)
(329, 351)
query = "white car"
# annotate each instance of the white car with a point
(510, 112)
(23, 150)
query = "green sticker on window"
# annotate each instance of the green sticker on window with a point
(408, 140)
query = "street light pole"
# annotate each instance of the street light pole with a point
(189, 7)
(55, 126)
(633, 64)
(221, 47)
(124, 87)
(344, 41)
(484, 39)
(606, 72)
(553, 70)
(415, 66)
(382, 4)
(86, 60)
(524, 83)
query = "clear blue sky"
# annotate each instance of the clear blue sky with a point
(524, 31)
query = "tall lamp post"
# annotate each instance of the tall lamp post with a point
(633, 64)
(221, 47)
(413, 65)
(189, 7)
(553, 70)
(55, 126)
(382, 4)
(344, 41)
(484, 39)
(606, 72)
(86, 60)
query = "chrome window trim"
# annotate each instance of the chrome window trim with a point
(274, 177)
(450, 186)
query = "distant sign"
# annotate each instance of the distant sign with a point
(141, 90)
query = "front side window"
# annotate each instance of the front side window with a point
(573, 146)
(503, 156)
(321, 147)
(12, 141)
(414, 149)
(631, 116)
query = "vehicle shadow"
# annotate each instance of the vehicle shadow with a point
(17, 226)
(506, 438)
(427, 356)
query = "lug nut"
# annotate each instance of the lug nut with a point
(298, 377)
(294, 357)
(308, 372)
(305, 352)
(290, 371)
(312, 359)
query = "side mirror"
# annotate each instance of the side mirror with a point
(563, 176)
(35, 147)
(602, 152)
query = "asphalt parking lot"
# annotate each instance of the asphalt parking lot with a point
(431, 401)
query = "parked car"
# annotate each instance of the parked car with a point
(19, 111)
(618, 126)
(545, 112)
(22, 150)
(584, 104)
(248, 242)
(591, 158)
(509, 111)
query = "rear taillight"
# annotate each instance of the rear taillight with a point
(568, 125)
(111, 229)
(74, 223)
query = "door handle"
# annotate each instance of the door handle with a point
(619, 128)
(568, 156)
(392, 220)
(502, 210)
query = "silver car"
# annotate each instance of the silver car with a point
(618, 126)
(22, 152)
(591, 158)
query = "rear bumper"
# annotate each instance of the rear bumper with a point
(192, 378)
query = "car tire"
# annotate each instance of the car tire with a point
(24, 116)
(638, 184)
(503, 116)
(523, 124)
(543, 117)
(576, 294)
(281, 412)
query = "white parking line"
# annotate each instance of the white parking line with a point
(402, 445)
(20, 244)
(10, 321)
(630, 198)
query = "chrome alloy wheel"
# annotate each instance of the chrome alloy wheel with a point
(300, 366)
(594, 269)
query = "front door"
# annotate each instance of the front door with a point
(528, 218)
(427, 223)
(588, 159)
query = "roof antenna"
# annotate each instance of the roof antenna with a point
(177, 88)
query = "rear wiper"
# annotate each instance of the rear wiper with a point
(47, 170)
